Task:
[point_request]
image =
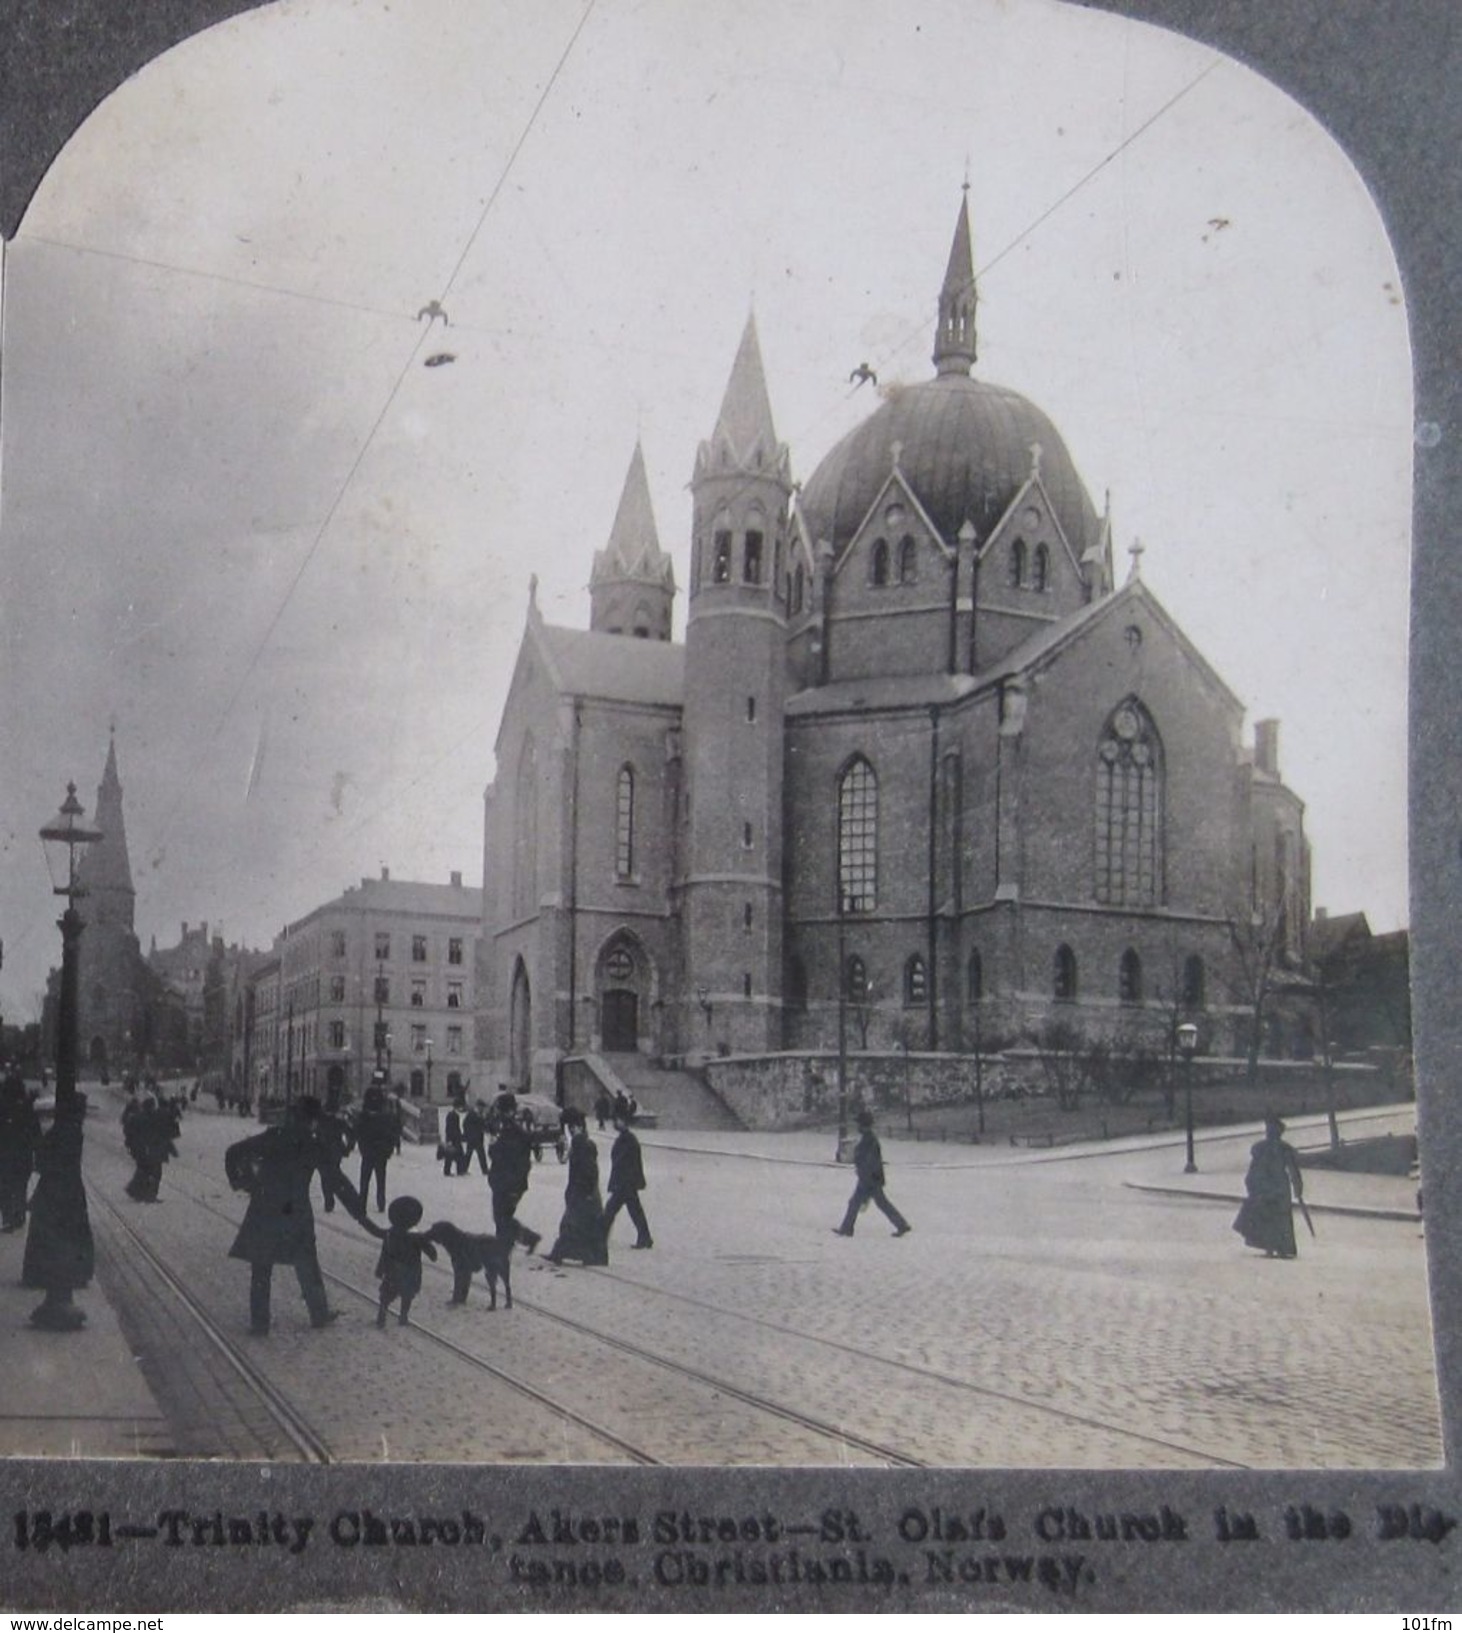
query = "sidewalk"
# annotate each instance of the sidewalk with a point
(78, 1394)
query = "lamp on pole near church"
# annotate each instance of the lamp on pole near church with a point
(58, 1248)
(1188, 1047)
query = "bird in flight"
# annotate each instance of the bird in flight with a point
(860, 374)
(431, 312)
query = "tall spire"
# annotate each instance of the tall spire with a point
(744, 429)
(632, 583)
(954, 340)
(105, 870)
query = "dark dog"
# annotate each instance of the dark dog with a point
(469, 1254)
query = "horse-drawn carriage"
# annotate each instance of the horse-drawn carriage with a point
(542, 1121)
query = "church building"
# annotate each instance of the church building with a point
(921, 769)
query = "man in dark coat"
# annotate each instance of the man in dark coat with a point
(378, 1137)
(20, 1130)
(868, 1163)
(510, 1161)
(626, 1181)
(150, 1142)
(454, 1152)
(474, 1136)
(276, 1168)
(581, 1231)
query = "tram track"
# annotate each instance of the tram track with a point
(313, 1446)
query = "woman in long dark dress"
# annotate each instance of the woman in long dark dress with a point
(581, 1232)
(1266, 1219)
(59, 1253)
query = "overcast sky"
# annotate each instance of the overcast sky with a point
(242, 519)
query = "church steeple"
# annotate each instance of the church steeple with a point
(632, 584)
(105, 871)
(954, 339)
(745, 438)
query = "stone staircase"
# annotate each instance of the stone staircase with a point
(677, 1099)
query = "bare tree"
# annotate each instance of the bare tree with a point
(1255, 937)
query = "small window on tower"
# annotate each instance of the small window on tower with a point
(746, 985)
(751, 562)
(721, 567)
(751, 709)
(746, 915)
(746, 835)
(878, 564)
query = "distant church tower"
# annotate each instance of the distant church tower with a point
(735, 691)
(113, 1013)
(632, 585)
(105, 868)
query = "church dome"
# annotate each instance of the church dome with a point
(965, 448)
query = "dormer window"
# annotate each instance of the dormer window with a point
(908, 560)
(1041, 568)
(1017, 564)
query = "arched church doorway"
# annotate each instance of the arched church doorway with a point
(621, 1020)
(520, 1033)
(622, 983)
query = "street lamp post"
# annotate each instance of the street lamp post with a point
(1188, 1047)
(59, 1252)
(842, 1026)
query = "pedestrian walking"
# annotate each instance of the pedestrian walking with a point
(337, 1138)
(20, 1130)
(402, 1249)
(626, 1181)
(603, 1108)
(581, 1230)
(474, 1136)
(378, 1139)
(868, 1163)
(151, 1141)
(509, 1163)
(275, 1168)
(1266, 1218)
(452, 1150)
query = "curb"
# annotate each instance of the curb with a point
(1353, 1210)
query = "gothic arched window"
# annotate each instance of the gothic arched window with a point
(1017, 564)
(624, 823)
(1041, 568)
(857, 838)
(751, 559)
(908, 560)
(1195, 982)
(1129, 810)
(1063, 975)
(797, 584)
(916, 981)
(721, 551)
(855, 980)
(878, 565)
(1129, 978)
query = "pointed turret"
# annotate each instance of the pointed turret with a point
(745, 438)
(105, 871)
(632, 585)
(954, 339)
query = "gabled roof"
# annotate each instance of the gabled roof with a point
(1044, 646)
(633, 551)
(618, 668)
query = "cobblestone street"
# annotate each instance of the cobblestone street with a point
(1071, 1309)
